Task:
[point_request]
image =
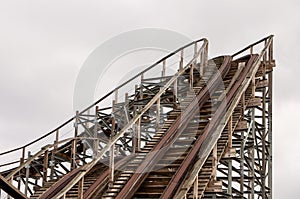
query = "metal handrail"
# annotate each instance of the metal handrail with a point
(104, 97)
(114, 139)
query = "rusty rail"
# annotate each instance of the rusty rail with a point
(188, 182)
(173, 132)
(219, 116)
(202, 52)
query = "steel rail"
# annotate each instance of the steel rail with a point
(113, 140)
(171, 135)
(186, 184)
(217, 118)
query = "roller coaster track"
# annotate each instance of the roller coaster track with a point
(203, 131)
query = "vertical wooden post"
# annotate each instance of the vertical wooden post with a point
(141, 86)
(195, 49)
(112, 148)
(80, 188)
(252, 154)
(116, 95)
(134, 99)
(163, 72)
(242, 164)
(181, 60)
(192, 74)
(271, 51)
(52, 166)
(27, 167)
(96, 140)
(22, 159)
(206, 55)
(126, 108)
(45, 167)
(263, 136)
(195, 191)
(74, 142)
(112, 164)
(175, 90)
(229, 191)
(230, 132)
(157, 123)
(214, 162)
(270, 134)
(201, 69)
(137, 136)
(265, 54)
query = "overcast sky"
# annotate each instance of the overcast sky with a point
(43, 45)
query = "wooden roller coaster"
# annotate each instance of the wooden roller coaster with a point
(189, 127)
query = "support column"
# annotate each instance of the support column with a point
(270, 135)
(27, 167)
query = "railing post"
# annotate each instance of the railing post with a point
(141, 86)
(265, 54)
(74, 142)
(196, 187)
(126, 108)
(45, 167)
(111, 155)
(52, 163)
(271, 51)
(80, 188)
(175, 90)
(163, 72)
(96, 144)
(214, 162)
(195, 49)
(111, 164)
(206, 55)
(138, 135)
(27, 167)
(192, 74)
(181, 60)
(201, 69)
(22, 159)
(157, 123)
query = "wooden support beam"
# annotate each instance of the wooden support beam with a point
(111, 165)
(80, 188)
(229, 189)
(163, 72)
(214, 162)
(157, 123)
(10, 189)
(74, 142)
(181, 60)
(229, 151)
(196, 186)
(192, 75)
(138, 134)
(45, 167)
(27, 167)
(175, 89)
(96, 140)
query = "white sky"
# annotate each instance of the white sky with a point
(43, 44)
